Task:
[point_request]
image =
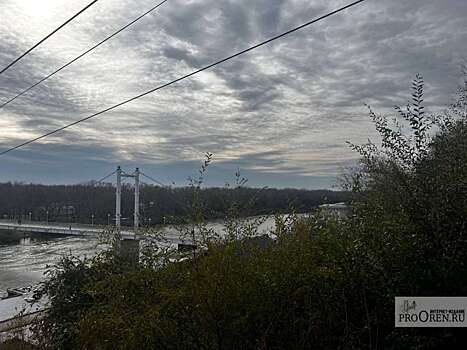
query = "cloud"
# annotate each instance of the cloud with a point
(282, 113)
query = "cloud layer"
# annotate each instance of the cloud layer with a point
(281, 113)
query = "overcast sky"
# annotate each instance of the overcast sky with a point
(282, 113)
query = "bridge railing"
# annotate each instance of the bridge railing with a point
(48, 223)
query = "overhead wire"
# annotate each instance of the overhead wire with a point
(184, 77)
(47, 37)
(82, 55)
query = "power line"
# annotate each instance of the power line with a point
(82, 55)
(48, 36)
(183, 77)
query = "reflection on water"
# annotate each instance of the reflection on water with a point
(25, 257)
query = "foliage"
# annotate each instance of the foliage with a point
(16, 344)
(322, 283)
(411, 195)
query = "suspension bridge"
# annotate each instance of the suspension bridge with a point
(73, 229)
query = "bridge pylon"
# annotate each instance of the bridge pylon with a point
(118, 200)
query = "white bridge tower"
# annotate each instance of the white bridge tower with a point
(118, 202)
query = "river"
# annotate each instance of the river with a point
(25, 257)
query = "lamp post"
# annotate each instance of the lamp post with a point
(108, 219)
(47, 216)
(30, 215)
(92, 219)
(149, 221)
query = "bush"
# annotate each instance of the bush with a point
(322, 283)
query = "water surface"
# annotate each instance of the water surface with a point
(25, 257)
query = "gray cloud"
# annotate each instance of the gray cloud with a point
(281, 113)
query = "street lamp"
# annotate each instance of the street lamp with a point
(30, 215)
(108, 219)
(92, 219)
(149, 221)
(47, 213)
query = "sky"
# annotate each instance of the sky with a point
(280, 114)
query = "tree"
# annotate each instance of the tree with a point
(322, 283)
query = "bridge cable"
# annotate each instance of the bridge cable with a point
(154, 180)
(82, 55)
(174, 196)
(251, 48)
(48, 36)
(106, 177)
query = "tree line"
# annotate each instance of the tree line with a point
(86, 203)
(321, 283)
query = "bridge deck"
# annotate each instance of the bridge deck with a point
(67, 230)
(59, 230)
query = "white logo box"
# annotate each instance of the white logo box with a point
(430, 311)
